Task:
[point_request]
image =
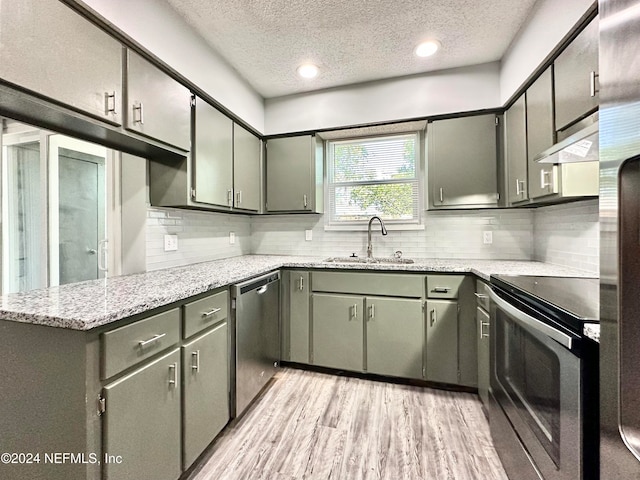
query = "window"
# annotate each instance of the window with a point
(374, 176)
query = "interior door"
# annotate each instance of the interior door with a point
(77, 210)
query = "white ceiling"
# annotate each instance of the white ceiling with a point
(352, 41)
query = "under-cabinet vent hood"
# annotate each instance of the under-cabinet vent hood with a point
(582, 146)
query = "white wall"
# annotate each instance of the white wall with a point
(445, 91)
(155, 26)
(548, 23)
(568, 235)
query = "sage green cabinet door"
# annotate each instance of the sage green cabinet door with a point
(338, 331)
(157, 105)
(516, 151)
(395, 336)
(574, 77)
(442, 341)
(462, 162)
(483, 319)
(212, 155)
(48, 48)
(299, 316)
(540, 134)
(290, 174)
(246, 169)
(205, 373)
(142, 422)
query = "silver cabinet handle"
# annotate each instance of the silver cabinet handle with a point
(372, 312)
(210, 312)
(593, 90)
(433, 317)
(482, 334)
(354, 310)
(238, 198)
(523, 189)
(304, 197)
(543, 175)
(441, 195)
(518, 192)
(441, 290)
(102, 254)
(481, 295)
(301, 283)
(138, 107)
(195, 361)
(109, 103)
(229, 197)
(144, 343)
(173, 374)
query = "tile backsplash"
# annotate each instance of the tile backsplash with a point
(565, 234)
(446, 235)
(568, 234)
(202, 236)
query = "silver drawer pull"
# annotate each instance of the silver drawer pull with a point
(481, 295)
(109, 103)
(441, 290)
(301, 284)
(433, 317)
(173, 372)
(210, 312)
(195, 361)
(144, 343)
(372, 312)
(138, 107)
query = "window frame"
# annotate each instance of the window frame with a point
(358, 225)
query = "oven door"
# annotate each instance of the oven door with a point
(535, 378)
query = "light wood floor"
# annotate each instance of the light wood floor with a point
(309, 425)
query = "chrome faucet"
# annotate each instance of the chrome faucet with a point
(384, 232)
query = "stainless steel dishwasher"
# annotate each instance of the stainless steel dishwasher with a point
(255, 336)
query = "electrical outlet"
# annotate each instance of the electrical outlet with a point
(232, 238)
(487, 237)
(170, 243)
(308, 235)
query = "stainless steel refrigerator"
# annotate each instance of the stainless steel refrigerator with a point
(620, 239)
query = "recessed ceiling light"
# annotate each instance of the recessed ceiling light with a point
(308, 70)
(428, 48)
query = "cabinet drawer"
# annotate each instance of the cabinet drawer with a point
(203, 313)
(443, 286)
(368, 283)
(482, 294)
(128, 345)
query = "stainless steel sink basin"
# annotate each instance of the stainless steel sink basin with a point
(388, 260)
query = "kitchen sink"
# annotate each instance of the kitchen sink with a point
(389, 260)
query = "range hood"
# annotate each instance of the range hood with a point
(582, 146)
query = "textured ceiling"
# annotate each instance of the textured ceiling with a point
(351, 41)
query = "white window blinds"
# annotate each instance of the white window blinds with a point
(374, 176)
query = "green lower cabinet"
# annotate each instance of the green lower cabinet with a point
(442, 341)
(142, 422)
(394, 336)
(484, 370)
(299, 316)
(338, 331)
(205, 373)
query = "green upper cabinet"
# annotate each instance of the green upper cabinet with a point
(157, 105)
(394, 336)
(212, 155)
(540, 134)
(49, 49)
(516, 152)
(247, 150)
(462, 162)
(575, 77)
(294, 171)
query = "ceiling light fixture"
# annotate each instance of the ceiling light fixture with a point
(428, 48)
(308, 70)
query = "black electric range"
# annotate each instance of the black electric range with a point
(570, 302)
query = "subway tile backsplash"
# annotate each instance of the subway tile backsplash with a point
(202, 236)
(568, 234)
(565, 234)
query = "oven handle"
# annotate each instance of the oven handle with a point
(525, 319)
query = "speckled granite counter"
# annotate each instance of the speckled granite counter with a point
(86, 305)
(592, 330)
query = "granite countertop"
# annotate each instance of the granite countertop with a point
(592, 331)
(87, 305)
